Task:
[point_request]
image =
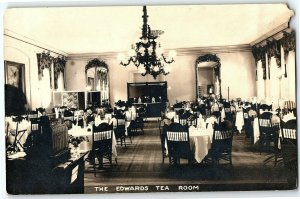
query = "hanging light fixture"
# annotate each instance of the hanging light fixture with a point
(148, 52)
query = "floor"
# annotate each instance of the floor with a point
(140, 163)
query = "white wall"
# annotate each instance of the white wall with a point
(21, 52)
(237, 72)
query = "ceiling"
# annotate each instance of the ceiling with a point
(114, 29)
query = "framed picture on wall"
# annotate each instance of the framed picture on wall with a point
(15, 74)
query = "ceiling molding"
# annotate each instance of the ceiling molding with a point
(32, 42)
(213, 49)
(180, 52)
(271, 33)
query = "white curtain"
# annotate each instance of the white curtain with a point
(291, 75)
(45, 90)
(60, 82)
(260, 81)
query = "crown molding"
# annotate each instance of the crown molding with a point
(213, 49)
(273, 33)
(180, 52)
(24, 39)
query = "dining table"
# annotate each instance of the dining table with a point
(200, 141)
(87, 134)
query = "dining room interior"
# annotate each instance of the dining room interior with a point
(129, 97)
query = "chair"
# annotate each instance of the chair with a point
(135, 127)
(248, 124)
(19, 133)
(264, 107)
(90, 119)
(178, 143)
(266, 132)
(217, 114)
(40, 111)
(229, 114)
(102, 144)
(183, 117)
(289, 131)
(68, 115)
(163, 138)
(221, 148)
(120, 129)
(289, 149)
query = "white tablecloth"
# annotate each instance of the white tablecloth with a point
(87, 144)
(200, 142)
(239, 122)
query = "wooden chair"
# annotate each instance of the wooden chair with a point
(267, 135)
(68, 115)
(221, 148)
(19, 133)
(120, 129)
(264, 107)
(102, 144)
(178, 143)
(289, 131)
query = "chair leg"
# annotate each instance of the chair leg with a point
(110, 160)
(94, 165)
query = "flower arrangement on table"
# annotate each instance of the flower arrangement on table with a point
(75, 141)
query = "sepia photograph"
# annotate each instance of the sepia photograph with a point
(150, 98)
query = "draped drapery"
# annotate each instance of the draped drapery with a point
(44, 61)
(59, 67)
(276, 61)
(272, 48)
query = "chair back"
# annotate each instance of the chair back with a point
(178, 143)
(68, 114)
(102, 135)
(177, 133)
(265, 124)
(222, 136)
(35, 124)
(289, 130)
(60, 137)
(90, 118)
(227, 107)
(246, 112)
(264, 107)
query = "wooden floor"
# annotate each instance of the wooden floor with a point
(141, 164)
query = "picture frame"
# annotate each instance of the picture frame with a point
(15, 74)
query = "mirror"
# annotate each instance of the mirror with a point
(208, 79)
(97, 82)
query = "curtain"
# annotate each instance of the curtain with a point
(44, 61)
(275, 67)
(45, 88)
(59, 68)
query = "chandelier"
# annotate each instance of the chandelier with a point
(148, 52)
